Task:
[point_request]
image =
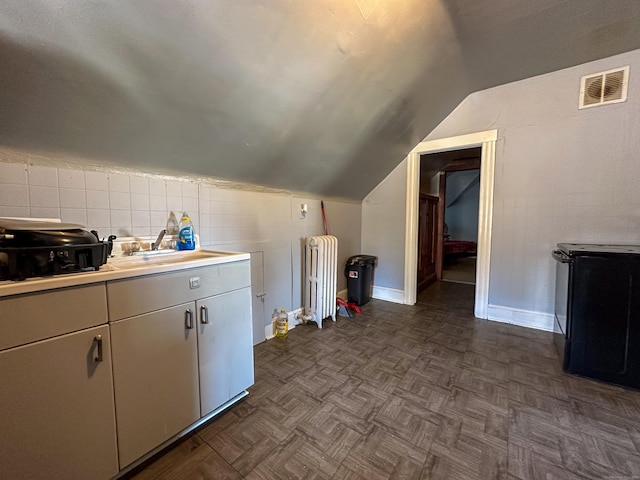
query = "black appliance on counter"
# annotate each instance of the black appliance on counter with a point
(30, 248)
(597, 311)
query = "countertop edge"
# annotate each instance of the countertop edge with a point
(40, 284)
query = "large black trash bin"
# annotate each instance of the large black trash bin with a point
(359, 273)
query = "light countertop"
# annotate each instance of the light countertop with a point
(121, 268)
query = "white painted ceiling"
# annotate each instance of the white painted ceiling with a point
(320, 96)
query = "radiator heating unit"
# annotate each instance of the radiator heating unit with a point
(321, 278)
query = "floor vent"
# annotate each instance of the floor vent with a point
(604, 87)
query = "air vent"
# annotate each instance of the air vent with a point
(604, 87)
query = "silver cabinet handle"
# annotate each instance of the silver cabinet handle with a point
(261, 296)
(204, 315)
(188, 318)
(98, 340)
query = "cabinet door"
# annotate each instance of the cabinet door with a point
(225, 347)
(57, 417)
(155, 372)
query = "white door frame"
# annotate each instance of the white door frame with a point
(486, 140)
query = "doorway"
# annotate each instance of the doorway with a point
(461, 226)
(487, 142)
(453, 179)
(462, 195)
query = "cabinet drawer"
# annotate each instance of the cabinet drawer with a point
(140, 295)
(36, 316)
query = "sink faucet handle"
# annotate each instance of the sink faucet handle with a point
(156, 245)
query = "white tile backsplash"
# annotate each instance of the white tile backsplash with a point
(174, 188)
(141, 217)
(205, 236)
(43, 197)
(72, 198)
(119, 201)
(121, 222)
(99, 218)
(13, 173)
(14, 195)
(42, 176)
(174, 204)
(189, 204)
(139, 185)
(190, 190)
(74, 215)
(158, 220)
(14, 211)
(70, 178)
(157, 186)
(106, 203)
(98, 199)
(45, 212)
(141, 231)
(96, 181)
(119, 183)
(158, 203)
(140, 201)
(204, 193)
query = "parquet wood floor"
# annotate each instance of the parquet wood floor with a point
(415, 392)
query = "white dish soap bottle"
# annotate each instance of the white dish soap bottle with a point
(186, 235)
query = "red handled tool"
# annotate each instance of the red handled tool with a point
(324, 218)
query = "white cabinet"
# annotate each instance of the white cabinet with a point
(56, 408)
(94, 378)
(155, 361)
(225, 347)
(182, 347)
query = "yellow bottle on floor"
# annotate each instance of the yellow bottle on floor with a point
(274, 322)
(282, 324)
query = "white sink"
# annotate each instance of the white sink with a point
(164, 257)
(158, 253)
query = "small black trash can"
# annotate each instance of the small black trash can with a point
(359, 273)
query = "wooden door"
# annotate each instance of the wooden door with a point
(427, 245)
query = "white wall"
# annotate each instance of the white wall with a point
(383, 228)
(461, 216)
(137, 204)
(562, 175)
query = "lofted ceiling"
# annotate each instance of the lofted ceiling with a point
(319, 96)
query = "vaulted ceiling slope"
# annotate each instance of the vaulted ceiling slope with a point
(321, 96)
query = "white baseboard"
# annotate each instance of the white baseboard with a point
(523, 318)
(268, 332)
(388, 294)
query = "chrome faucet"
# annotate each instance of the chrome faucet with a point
(156, 245)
